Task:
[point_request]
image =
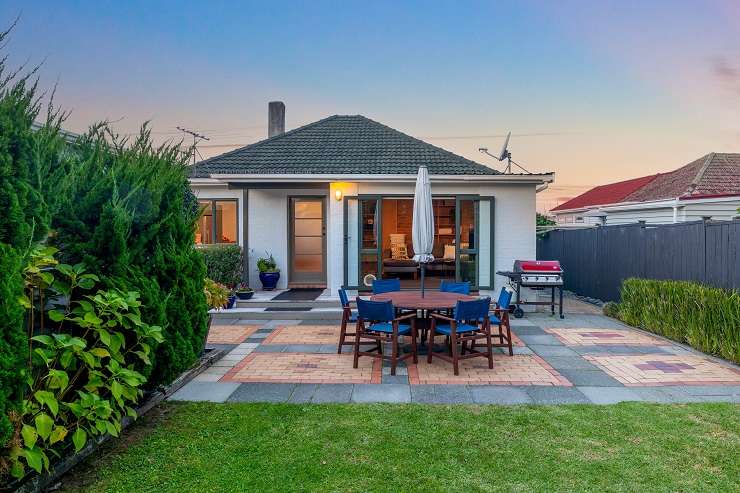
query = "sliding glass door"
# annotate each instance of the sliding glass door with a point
(377, 240)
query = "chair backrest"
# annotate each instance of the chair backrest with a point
(472, 310)
(375, 311)
(455, 287)
(504, 298)
(343, 299)
(386, 285)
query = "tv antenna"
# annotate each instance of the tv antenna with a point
(505, 154)
(197, 138)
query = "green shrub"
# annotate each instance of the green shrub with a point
(703, 317)
(611, 309)
(224, 263)
(13, 342)
(127, 213)
(82, 380)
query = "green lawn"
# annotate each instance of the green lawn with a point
(281, 447)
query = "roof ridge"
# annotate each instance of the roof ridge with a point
(699, 174)
(427, 143)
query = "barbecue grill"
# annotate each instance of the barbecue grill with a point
(537, 275)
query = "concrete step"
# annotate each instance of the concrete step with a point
(255, 313)
(287, 304)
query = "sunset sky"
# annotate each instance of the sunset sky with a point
(595, 91)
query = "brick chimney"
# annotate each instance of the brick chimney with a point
(276, 118)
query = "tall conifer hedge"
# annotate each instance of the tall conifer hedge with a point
(127, 212)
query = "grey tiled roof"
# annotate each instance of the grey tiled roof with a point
(340, 145)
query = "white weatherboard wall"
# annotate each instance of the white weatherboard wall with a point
(268, 229)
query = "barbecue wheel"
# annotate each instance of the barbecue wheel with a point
(518, 312)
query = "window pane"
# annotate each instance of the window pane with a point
(484, 244)
(352, 246)
(204, 225)
(226, 222)
(309, 245)
(308, 227)
(307, 210)
(468, 212)
(308, 263)
(369, 223)
(368, 265)
(468, 267)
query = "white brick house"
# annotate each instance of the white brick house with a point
(325, 199)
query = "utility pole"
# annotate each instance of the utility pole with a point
(196, 139)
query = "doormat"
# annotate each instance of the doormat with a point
(287, 309)
(304, 294)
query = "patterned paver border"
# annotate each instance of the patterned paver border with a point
(304, 368)
(507, 370)
(651, 370)
(597, 337)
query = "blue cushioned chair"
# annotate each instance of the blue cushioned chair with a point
(348, 316)
(376, 320)
(500, 317)
(455, 287)
(468, 323)
(381, 286)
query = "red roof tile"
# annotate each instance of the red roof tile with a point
(606, 194)
(716, 174)
(713, 174)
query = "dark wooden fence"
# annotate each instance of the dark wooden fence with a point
(596, 260)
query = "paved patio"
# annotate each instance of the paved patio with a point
(585, 358)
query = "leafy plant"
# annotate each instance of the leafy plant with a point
(704, 317)
(243, 287)
(217, 295)
(224, 263)
(83, 379)
(267, 263)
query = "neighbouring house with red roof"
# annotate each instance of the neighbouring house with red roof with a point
(707, 188)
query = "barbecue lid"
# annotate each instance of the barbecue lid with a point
(537, 266)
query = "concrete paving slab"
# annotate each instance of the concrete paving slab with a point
(393, 393)
(452, 394)
(552, 350)
(609, 395)
(302, 393)
(556, 395)
(541, 340)
(341, 393)
(589, 378)
(422, 394)
(262, 392)
(489, 394)
(205, 391)
(569, 362)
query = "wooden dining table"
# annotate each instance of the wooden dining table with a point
(432, 300)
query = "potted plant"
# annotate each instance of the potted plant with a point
(243, 291)
(269, 272)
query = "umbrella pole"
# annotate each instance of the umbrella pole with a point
(423, 265)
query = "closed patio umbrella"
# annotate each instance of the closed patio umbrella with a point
(422, 230)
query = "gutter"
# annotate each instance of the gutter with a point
(360, 178)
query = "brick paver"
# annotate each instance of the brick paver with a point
(305, 334)
(507, 370)
(230, 334)
(304, 368)
(595, 337)
(659, 369)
